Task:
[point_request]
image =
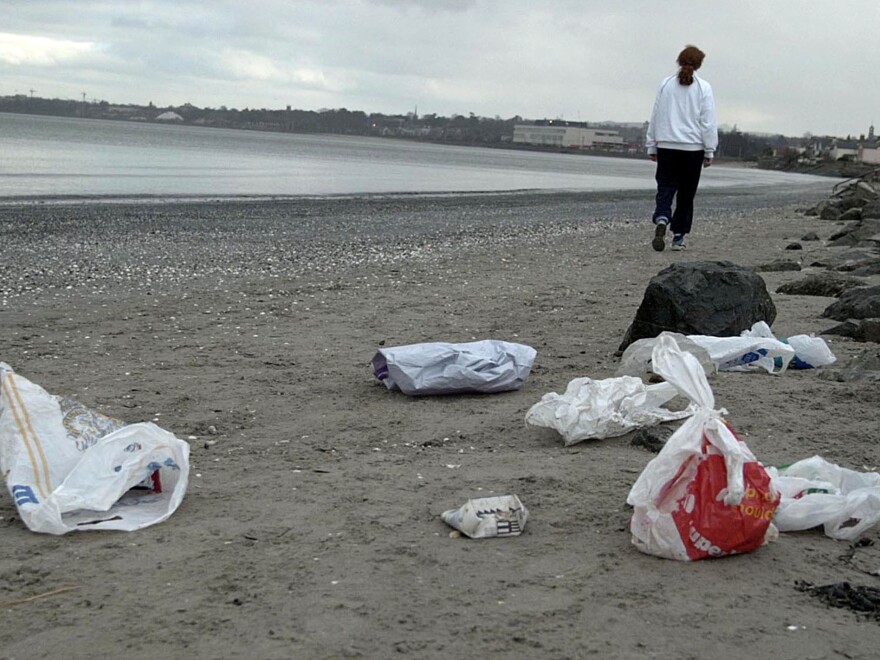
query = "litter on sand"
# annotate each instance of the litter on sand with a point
(486, 366)
(71, 468)
(704, 495)
(810, 352)
(816, 492)
(594, 409)
(636, 359)
(756, 348)
(486, 517)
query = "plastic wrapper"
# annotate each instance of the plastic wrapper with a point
(486, 366)
(70, 468)
(486, 517)
(594, 409)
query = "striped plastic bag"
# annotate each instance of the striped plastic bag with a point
(71, 468)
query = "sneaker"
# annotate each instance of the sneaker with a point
(659, 240)
(679, 242)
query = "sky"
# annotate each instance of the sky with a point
(776, 66)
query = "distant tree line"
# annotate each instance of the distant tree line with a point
(457, 128)
(470, 129)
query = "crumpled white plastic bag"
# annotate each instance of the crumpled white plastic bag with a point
(816, 492)
(486, 366)
(810, 351)
(747, 352)
(757, 347)
(636, 359)
(70, 468)
(595, 409)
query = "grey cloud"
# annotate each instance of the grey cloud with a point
(574, 57)
(428, 5)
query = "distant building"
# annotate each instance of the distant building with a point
(560, 135)
(870, 154)
(169, 116)
(848, 149)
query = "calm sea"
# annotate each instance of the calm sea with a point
(48, 156)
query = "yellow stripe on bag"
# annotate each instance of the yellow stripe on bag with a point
(24, 427)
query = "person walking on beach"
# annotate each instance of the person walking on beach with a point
(682, 138)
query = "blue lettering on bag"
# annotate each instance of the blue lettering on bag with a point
(753, 356)
(24, 495)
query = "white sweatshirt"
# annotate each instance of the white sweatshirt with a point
(683, 118)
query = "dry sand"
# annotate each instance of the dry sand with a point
(311, 527)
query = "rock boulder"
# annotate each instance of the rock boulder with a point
(859, 329)
(827, 283)
(716, 298)
(859, 303)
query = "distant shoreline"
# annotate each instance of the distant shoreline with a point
(769, 192)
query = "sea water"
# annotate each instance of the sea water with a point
(60, 156)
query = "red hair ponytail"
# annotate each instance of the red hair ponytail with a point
(690, 59)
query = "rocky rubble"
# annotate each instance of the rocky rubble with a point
(855, 201)
(855, 251)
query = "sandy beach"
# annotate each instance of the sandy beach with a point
(311, 528)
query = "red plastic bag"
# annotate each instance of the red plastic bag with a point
(710, 528)
(705, 494)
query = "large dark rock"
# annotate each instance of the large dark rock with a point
(827, 283)
(843, 239)
(867, 269)
(860, 303)
(848, 260)
(872, 210)
(830, 212)
(715, 298)
(859, 329)
(864, 190)
(863, 233)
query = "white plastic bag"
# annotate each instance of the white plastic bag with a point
(70, 468)
(486, 366)
(704, 495)
(636, 359)
(604, 408)
(754, 348)
(810, 352)
(815, 492)
(747, 352)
